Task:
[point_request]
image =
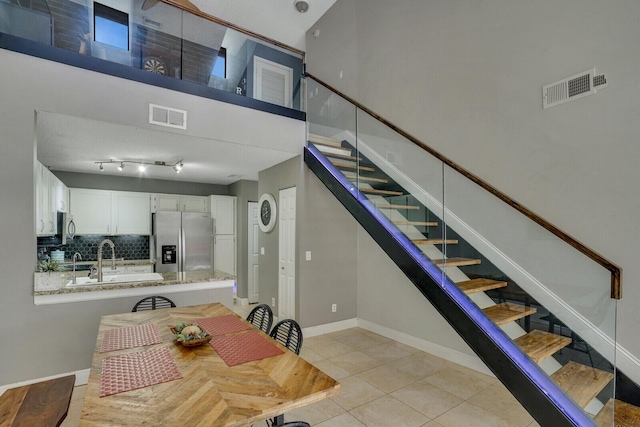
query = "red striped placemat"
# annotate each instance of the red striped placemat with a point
(222, 325)
(237, 349)
(131, 371)
(130, 337)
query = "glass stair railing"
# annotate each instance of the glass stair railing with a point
(534, 308)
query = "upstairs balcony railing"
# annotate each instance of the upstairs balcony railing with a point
(466, 233)
(173, 41)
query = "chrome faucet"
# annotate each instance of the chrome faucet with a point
(76, 256)
(113, 257)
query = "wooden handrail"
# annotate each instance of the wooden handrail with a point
(187, 6)
(616, 271)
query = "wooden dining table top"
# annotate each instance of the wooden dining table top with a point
(210, 393)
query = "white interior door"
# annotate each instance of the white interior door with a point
(252, 255)
(272, 82)
(287, 254)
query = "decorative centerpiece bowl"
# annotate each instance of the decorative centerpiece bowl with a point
(190, 335)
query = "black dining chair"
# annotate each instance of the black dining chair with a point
(153, 303)
(261, 317)
(288, 333)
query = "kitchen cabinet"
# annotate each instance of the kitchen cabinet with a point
(223, 212)
(179, 203)
(48, 186)
(104, 212)
(59, 195)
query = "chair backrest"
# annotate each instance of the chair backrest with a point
(261, 317)
(153, 303)
(288, 333)
(295, 424)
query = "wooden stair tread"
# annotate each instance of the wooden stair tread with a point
(580, 382)
(506, 312)
(41, 404)
(366, 178)
(456, 262)
(342, 156)
(626, 414)
(540, 344)
(480, 285)
(323, 140)
(417, 223)
(391, 206)
(381, 192)
(434, 241)
(352, 166)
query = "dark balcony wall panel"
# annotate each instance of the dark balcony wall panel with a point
(70, 21)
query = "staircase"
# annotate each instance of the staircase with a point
(580, 382)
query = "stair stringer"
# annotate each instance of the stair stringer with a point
(595, 336)
(525, 380)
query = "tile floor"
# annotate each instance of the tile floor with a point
(385, 383)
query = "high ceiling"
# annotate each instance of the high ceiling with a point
(74, 144)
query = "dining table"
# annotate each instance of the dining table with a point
(141, 376)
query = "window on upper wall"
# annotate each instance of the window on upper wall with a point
(111, 26)
(220, 66)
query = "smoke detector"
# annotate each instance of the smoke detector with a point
(301, 5)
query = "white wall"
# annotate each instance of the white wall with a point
(466, 78)
(40, 341)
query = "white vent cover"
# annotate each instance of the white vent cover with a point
(571, 88)
(167, 116)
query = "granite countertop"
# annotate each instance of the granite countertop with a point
(192, 277)
(107, 262)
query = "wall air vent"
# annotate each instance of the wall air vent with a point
(571, 88)
(166, 116)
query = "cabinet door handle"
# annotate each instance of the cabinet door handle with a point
(42, 228)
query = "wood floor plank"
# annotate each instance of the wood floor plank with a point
(352, 166)
(417, 223)
(381, 192)
(540, 344)
(353, 176)
(506, 312)
(626, 415)
(582, 383)
(480, 285)
(319, 139)
(394, 206)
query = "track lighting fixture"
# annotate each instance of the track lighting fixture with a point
(142, 166)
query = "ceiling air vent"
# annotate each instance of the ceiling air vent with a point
(166, 116)
(571, 88)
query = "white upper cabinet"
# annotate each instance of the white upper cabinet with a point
(59, 195)
(45, 219)
(223, 212)
(110, 212)
(177, 202)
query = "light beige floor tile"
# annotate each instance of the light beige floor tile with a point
(310, 355)
(433, 423)
(427, 398)
(79, 392)
(420, 364)
(326, 347)
(356, 362)
(364, 340)
(355, 392)
(388, 411)
(455, 382)
(333, 370)
(473, 373)
(344, 420)
(345, 333)
(387, 378)
(497, 400)
(534, 424)
(468, 415)
(387, 352)
(316, 412)
(73, 414)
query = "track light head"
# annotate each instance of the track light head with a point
(101, 167)
(121, 166)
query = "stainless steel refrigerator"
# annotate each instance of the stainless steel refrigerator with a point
(183, 242)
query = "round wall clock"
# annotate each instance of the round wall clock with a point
(267, 205)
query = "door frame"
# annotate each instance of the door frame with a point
(286, 248)
(253, 230)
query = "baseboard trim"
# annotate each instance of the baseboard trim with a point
(82, 378)
(327, 328)
(242, 301)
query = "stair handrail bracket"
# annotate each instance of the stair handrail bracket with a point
(614, 269)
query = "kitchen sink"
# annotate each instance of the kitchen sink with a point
(117, 278)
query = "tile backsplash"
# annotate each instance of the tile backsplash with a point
(127, 247)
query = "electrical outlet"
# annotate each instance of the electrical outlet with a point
(273, 302)
(262, 251)
(334, 308)
(308, 255)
